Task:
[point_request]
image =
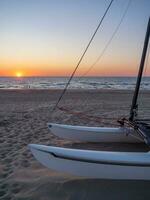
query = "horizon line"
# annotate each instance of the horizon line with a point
(69, 76)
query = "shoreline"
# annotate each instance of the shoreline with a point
(72, 90)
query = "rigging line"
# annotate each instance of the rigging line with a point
(64, 91)
(110, 40)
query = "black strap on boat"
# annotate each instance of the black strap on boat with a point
(82, 56)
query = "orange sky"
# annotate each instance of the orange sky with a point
(114, 64)
(57, 69)
(62, 71)
(45, 39)
(42, 68)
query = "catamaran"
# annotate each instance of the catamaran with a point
(95, 134)
(102, 164)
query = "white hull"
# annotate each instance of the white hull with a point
(94, 164)
(94, 134)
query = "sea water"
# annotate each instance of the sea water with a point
(117, 83)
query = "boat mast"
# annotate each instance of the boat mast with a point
(133, 111)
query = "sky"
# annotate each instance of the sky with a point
(47, 37)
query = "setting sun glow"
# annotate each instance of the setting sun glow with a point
(18, 74)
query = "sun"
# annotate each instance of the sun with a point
(18, 74)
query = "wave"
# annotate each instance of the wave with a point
(118, 83)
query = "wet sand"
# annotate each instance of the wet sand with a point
(23, 119)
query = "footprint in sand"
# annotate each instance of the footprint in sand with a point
(2, 193)
(4, 186)
(25, 153)
(15, 188)
(2, 155)
(4, 175)
(6, 197)
(25, 163)
(8, 160)
(8, 170)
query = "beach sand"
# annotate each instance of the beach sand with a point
(23, 119)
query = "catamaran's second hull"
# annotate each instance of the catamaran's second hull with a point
(94, 134)
(94, 164)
